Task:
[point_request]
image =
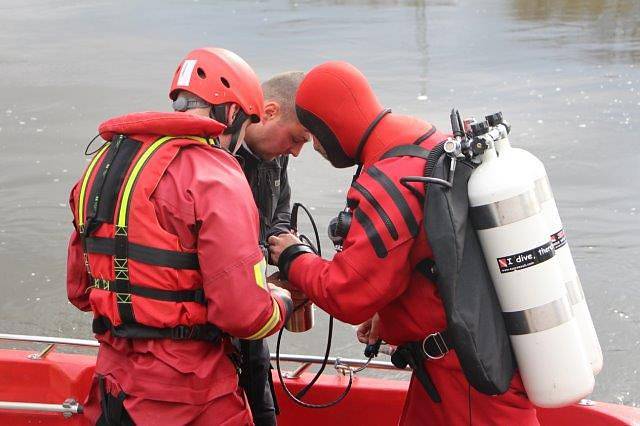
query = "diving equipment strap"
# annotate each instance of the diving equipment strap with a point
(206, 332)
(413, 354)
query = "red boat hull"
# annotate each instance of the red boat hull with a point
(370, 401)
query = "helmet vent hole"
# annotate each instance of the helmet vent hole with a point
(201, 73)
(225, 82)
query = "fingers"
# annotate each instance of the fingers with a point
(362, 332)
(273, 240)
(374, 333)
(279, 291)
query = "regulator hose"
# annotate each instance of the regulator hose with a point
(297, 398)
(432, 159)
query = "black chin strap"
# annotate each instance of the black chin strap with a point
(234, 130)
(219, 113)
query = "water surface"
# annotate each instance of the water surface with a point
(566, 74)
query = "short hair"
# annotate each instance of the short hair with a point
(282, 88)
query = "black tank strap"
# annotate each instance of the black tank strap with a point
(205, 332)
(196, 296)
(145, 254)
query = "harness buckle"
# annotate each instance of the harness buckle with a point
(198, 296)
(181, 332)
(435, 341)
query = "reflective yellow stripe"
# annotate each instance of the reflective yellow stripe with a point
(85, 181)
(273, 321)
(258, 271)
(126, 194)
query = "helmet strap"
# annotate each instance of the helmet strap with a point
(219, 113)
(234, 129)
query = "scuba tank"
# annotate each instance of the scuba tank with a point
(527, 276)
(524, 160)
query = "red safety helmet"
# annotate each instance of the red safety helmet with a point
(219, 76)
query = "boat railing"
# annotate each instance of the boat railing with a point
(70, 407)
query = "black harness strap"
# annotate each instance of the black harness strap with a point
(397, 198)
(206, 332)
(371, 232)
(121, 267)
(145, 254)
(196, 296)
(414, 354)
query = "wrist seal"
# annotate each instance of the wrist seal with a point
(289, 254)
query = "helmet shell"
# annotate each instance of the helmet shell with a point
(219, 76)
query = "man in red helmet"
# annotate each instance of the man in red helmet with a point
(165, 253)
(378, 279)
(265, 157)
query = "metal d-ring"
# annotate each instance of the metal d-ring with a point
(435, 336)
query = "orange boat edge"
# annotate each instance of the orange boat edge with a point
(56, 377)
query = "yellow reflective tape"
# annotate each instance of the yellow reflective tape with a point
(126, 195)
(273, 320)
(122, 216)
(85, 181)
(258, 272)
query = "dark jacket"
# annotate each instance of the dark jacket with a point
(271, 191)
(272, 194)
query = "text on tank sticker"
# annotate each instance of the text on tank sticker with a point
(184, 78)
(526, 259)
(558, 239)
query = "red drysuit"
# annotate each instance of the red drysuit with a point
(201, 203)
(376, 271)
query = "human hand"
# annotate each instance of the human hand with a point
(278, 291)
(297, 296)
(368, 331)
(277, 244)
(277, 280)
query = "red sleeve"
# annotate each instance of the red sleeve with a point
(77, 278)
(216, 207)
(374, 266)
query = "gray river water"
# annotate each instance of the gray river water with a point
(566, 73)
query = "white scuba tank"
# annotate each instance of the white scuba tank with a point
(515, 240)
(524, 160)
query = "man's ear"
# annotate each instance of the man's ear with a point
(271, 110)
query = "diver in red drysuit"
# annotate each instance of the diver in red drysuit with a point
(192, 209)
(376, 272)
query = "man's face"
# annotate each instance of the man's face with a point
(319, 149)
(276, 135)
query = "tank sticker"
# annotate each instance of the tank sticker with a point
(526, 259)
(559, 239)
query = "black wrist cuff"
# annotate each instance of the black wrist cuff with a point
(290, 253)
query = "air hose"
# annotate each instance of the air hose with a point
(297, 398)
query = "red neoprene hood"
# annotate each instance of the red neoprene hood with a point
(337, 105)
